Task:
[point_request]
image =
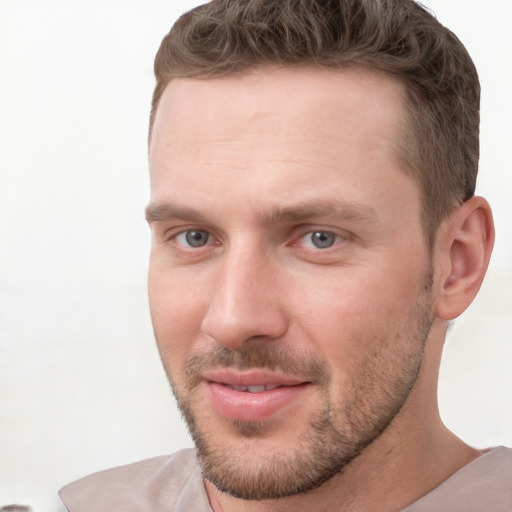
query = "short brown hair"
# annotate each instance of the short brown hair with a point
(439, 143)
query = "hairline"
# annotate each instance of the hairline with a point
(402, 136)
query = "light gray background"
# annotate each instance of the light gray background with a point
(81, 387)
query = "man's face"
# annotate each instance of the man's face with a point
(289, 282)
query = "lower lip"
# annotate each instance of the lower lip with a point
(246, 406)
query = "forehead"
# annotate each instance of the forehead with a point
(297, 101)
(272, 135)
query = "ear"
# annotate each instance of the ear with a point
(463, 248)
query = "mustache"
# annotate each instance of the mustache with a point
(281, 359)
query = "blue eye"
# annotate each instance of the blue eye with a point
(193, 238)
(319, 239)
(322, 239)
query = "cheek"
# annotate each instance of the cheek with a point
(176, 295)
(351, 313)
(177, 305)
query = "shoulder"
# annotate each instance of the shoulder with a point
(484, 484)
(150, 485)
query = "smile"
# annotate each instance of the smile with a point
(253, 396)
(256, 389)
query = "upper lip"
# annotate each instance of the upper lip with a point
(233, 378)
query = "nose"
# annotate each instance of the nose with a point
(246, 304)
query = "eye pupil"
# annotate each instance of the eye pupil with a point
(322, 240)
(196, 238)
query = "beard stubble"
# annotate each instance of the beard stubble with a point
(337, 432)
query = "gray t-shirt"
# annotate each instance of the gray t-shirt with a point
(174, 483)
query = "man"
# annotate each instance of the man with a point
(315, 230)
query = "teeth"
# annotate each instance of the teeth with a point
(256, 389)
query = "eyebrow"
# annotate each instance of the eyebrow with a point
(339, 209)
(162, 211)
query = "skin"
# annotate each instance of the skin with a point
(255, 163)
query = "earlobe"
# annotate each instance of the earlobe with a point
(466, 249)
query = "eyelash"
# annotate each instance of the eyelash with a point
(338, 238)
(174, 237)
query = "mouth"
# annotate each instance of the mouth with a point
(255, 389)
(252, 396)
